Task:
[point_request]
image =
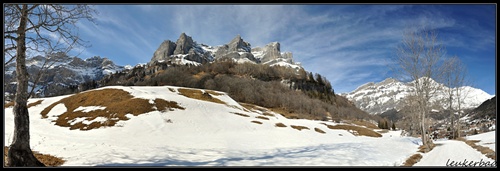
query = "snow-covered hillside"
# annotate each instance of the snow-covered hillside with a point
(175, 126)
(376, 98)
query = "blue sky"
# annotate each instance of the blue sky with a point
(348, 44)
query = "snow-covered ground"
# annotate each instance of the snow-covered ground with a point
(455, 153)
(487, 139)
(211, 134)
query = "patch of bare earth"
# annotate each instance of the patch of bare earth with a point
(252, 107)
(298, 127)
(198, 94)
(424, 149)
(355, 130)
(117, 104)
(286, 113)
(363, 123)
(319, 130)
(415, 158)
(257, 122)
(244, 115)
(412, 160)
(172, 90)
(383, 131)
(267, 114)
(46, 159)
(262, 117)
(35, 103)
(280, 125)
(9, 104)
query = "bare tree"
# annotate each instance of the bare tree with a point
(39, 28)
(455, 78)
(418, 59)
(459, 79)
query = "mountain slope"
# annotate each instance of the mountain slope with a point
(376, 98)
(203, 128)
(487, 109)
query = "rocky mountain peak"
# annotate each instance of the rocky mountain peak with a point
(272, 52)
(186, 51)
(166, 49)
(238, 45)
(184, 44)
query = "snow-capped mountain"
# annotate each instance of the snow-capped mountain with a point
(187, 51)
(376, 98)
(61, 71)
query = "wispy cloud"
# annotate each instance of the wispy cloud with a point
(349, 44)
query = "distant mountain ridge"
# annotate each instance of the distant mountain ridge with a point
(187, 51)
(61, 72)
(66, 71)
(376, 98)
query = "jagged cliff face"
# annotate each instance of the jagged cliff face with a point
(186, 51)
(183, 51)
(62, 71)
(376, 98)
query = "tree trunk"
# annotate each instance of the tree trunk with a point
(20, 153)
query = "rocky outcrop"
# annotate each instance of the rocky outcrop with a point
(238, 45)
(236, 49)
(185, 48)
(272, 52)
(183, 44)
(164, 51)
(186, 51)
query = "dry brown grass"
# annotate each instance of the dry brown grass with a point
(383, 131)
(319, 130)
(363, 123)
(200, 75)
(484, 150)
(244, 115)
(423, 148)
(9, 104)
(412, 160)
(163, 105)
(262, 117)
(118, 103)
(298, 127)
(292, 115)
(47, 160)
(252, 107)
(280, 125)
(267, 114)
(356, 130)
(285, 113)
(35, 103)
(198, 94)
(257, 122)
(214, 93)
